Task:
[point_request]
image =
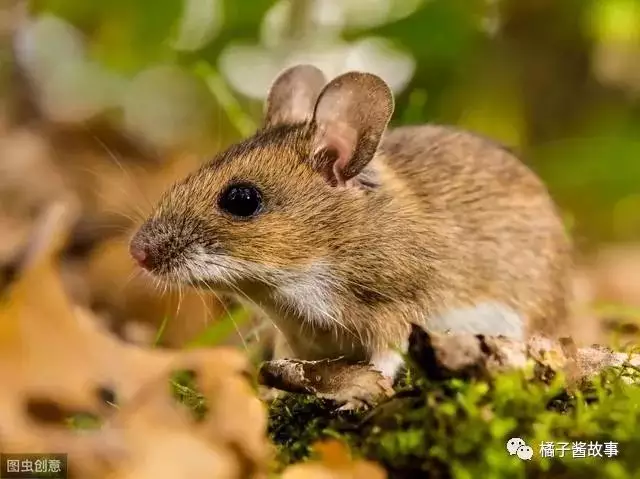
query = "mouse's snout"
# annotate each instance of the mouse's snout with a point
(148, 247)
(141, 251)
(158, 247)
(138, 251)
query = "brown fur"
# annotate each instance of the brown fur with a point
(438, 219)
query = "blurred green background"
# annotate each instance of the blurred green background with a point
(558, 80)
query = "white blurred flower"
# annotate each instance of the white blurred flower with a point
(78, 90)
(250, 69)
(331, 59)
(377, 55)
(71, 88)
(44, 43)
(200, 22)
(364, 13)
(330, 17)
(167, 106)
(327, 17)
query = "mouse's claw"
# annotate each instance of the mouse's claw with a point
(356, 404)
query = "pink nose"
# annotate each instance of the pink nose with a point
(139, 254)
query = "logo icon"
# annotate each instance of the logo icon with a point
(514, 444)
(517, 446)
(525, 453)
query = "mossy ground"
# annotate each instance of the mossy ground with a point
(460, 429)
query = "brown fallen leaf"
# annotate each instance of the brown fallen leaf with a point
(352, 385)
(55, 361)
(181, 447)
(334, 463)
(443, 356)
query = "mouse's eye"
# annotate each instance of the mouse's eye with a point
(241, 200)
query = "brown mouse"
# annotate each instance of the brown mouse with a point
(344, 232)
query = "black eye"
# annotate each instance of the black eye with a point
(241, 200)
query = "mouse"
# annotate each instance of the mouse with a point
(344, 230)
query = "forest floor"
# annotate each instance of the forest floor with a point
(461, 429)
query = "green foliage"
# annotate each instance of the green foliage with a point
(222, 328)
(84, 421)
(185, 390)
(460, 429)
(543, 84)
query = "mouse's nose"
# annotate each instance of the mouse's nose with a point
(139, 251)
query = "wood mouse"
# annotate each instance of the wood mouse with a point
(344, 232)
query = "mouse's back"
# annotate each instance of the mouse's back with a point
(452, 164)
(497, 215)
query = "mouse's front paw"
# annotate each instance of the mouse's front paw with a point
(363, 400)
(353, 386)
(359, 387)
(356, 405)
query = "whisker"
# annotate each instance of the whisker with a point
(180, 298)
(119, 164)
(104, 198)
(135, 274)
(207, 309)
(182, 272)
(230, 316)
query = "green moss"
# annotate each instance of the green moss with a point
(185, 390)
(296, 422)
(460, 429)
(84, 421)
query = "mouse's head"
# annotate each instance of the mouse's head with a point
(281, 201)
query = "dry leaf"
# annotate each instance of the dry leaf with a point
(444, 356)
(335, 463)
(55, 360)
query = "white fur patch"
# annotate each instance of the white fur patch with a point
(490, 318)
(388, 362)
(310, 295)
(203, 266)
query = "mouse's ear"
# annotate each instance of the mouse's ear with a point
(293, 95)
(351, 115)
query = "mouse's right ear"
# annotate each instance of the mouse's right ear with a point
(293, 95)
(351, 116)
